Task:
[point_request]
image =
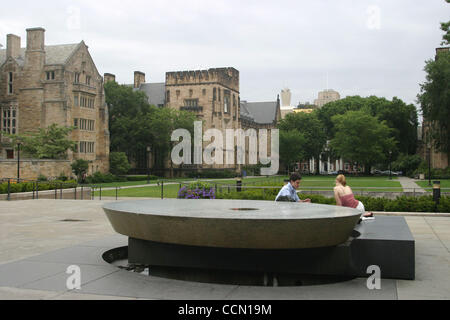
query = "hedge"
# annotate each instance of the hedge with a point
(42, 186)
(400, 204)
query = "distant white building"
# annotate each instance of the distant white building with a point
(286, 106)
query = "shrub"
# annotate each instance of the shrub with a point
(407, 163)
(79, 167)
(62, 177)
(444, 205)
(42, 186)
(42, 178)
(400, 204)
(118, 163)
(141, 178)
(99, 177)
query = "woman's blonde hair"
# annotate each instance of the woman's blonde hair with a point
(341, 179)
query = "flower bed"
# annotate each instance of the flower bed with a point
(197, 190)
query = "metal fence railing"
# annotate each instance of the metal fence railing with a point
(169, 188)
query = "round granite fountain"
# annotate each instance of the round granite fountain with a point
(233, 223)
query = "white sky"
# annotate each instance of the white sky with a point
(273, 44)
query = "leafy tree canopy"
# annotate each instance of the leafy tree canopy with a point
(47, 143)
(312, 130)
(399, 116)
(434, 99)
(362, 138)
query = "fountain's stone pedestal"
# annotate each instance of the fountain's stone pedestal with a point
(386, 242)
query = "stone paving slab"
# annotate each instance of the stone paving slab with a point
(353, 289)
(57, 282)
(41, 247)
(9, 293)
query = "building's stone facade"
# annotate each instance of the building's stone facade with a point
(42, 85)
(327, 96)
(214, 96)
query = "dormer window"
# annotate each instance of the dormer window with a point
(76, 77)
(50, 75)
(88, 80)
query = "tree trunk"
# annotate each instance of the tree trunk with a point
(317, 165)
(367, 169)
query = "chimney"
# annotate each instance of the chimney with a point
(439, 50)
(35, 53)
(108, 77)
(12, 46)
(139, 78)
(35, 39)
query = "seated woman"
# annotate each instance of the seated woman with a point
(345, 198)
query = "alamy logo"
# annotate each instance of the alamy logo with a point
(374, 17)
(221, 151)
(374, 281)
(73, 281)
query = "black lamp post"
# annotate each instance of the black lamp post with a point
(149, 149)
(18, 161)
(429, 164)
(390, 165)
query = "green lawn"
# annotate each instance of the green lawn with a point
(444, 184)
(170, 191)
(383, 184)
(183, 180)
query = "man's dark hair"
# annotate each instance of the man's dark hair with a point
(295, 177)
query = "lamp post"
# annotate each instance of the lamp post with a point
(390, 165)
(429, 164)
(18, 162)
(149, 149)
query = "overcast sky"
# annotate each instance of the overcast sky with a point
(365, 47)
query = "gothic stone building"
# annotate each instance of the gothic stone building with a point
(214, 96)
(41, 85)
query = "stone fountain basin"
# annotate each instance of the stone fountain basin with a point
(233, 223)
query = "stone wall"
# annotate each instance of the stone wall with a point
(31, 169)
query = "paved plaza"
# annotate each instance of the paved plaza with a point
(39, 239)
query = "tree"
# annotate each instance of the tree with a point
(407, 163)
(48, 143)
(136, 125)
(434, 99)
(399, 116)
(127, 111)
(362, 138)
(312, 130)
(118, 163)
(292, 147)
(79, 167)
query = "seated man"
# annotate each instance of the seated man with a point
(289, 193)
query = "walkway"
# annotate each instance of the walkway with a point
(409, 185)
(30, 268)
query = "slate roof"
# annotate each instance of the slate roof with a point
(156, 92)
(260, 112)
(58, 54)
